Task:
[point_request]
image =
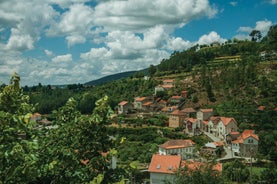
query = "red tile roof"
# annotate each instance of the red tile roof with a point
(139, 99)
(164, 163)
(179, 143)
(176, 97)
(189, 110)
(147, 103)
(123, 103)
(177, 113)
(261, 108)
(226, 120)
(206, 110)
(192, 120)
(246, 134)
(193, 165)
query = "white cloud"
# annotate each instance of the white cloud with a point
(62, 58)
(20, 41)
(233, 3)
(140, 14)
(48, 53)
(262, 26)
(273, 1)
(210, 38)
(76, 24)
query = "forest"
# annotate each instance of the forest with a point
(78, 146)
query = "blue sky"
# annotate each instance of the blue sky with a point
(75, 41)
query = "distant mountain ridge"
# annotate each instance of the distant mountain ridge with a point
(110, 78)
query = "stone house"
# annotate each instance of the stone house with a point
(176, 119)
(246, 145)
(124, 107)
(204, 114)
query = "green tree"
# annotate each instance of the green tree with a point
(199, 174)
(236, 171)
(18, 143)
(73, 150)
(255, 35)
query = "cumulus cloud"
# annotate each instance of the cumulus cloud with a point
(262, 26)
(62, 58)
(139, 14)
(273, 1)
(48, 53)
(131, 35)
(210, 38)
(75, 24)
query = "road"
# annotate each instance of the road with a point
(228, 151)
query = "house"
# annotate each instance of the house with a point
(246, 144)
(163, 167)
(184, 94)
(204, 114)
(183, 147)
(175, 100)
(147, 106)
(176, 118)
(168, 109)
(166, 85)
(212, 125)
(210, 148)
(139, 101)
(124, 107)
(192, 126)
(191, 112)
(225, 126)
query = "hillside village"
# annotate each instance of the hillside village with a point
(173, 154)
(227, 141)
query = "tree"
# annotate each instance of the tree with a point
(73, 151)
(255, 35)
(203, 173)
(236, 171)
(18, 145)
(272, 37)
(152, 70)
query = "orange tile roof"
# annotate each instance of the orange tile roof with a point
(165, 163)
(220, 143)
(139, 99)
(167, 86)
(206, 110)
(168, 80)
(192, 120)
(189, 110)
(226, 120)
(193, 165)
(249, 133)
(123, 103)
(246, 134)
(179, 143)
(176, 97)
(177, 113)
(147, 103)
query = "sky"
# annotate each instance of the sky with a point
(56, 42)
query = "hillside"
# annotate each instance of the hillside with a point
(110, 78)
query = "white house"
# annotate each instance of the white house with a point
(225, 126)
(183, 147)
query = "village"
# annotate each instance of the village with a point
(227, 141)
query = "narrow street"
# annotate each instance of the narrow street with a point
(227, 149)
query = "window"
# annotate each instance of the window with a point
(250, 141)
